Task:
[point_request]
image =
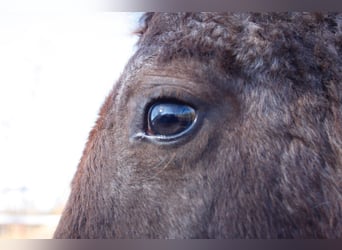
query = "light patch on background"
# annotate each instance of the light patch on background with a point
(56, 70)
(53, 5)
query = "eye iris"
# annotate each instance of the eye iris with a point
(170, 118)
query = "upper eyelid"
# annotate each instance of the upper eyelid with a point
(168, 99)
(150, 81)
(165, 91)
(146, 97)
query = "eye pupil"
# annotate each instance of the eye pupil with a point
(168, 119)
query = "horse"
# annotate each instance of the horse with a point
(222, 125)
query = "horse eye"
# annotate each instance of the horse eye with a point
(168, 119)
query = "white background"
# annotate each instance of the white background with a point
(55, 72)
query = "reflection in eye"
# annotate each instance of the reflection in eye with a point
(170, 119)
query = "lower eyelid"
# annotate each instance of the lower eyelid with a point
(161, 139)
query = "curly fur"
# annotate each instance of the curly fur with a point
(266, 159)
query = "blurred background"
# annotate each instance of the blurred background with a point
(55, 72)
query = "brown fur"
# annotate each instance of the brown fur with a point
(265, 160)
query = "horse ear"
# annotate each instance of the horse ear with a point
(144, 23)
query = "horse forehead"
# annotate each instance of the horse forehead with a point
(205, 29)
(212, 28)
(204, 36)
